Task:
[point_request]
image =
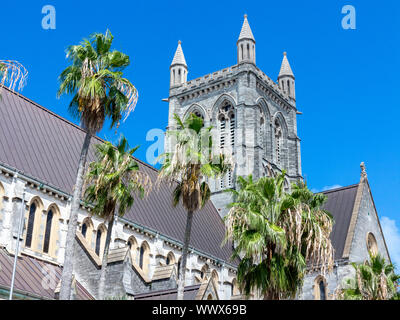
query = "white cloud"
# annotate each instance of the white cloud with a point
(326, 188)
(392, 238)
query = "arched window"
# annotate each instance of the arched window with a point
(31, 224)
(241, 46)
(170, 260)
(87, 230)
(209, 297)
(372, 245)
(320, 288)
(98, 241)
(227, 117)
(278, 141)
(248, 51)
(84, 229)
(144, 253)
(288, 87)
(322, 295)
(132, 244)
(47, 234)
(204, 271)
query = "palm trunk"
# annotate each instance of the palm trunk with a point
(182, 271)
(102, 282)
(66, 276)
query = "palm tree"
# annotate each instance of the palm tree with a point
(12, 74)
(187, 166)
(99, 91)
(374, 280)
(278, 236)
(113, 181)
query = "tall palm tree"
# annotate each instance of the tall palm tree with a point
(374, 280)
(278, 236)
(113, 182)
(12, 74)
(188, 165)
(99, 91)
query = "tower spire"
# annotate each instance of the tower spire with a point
(286, 70)
(286, 78)
(178, 68)
(246, 44)
(246, 33)
(179, 57)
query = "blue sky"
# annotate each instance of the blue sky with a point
(346, 80)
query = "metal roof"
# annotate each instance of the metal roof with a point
(340, 204)
(189, 293)
(46, 147)
(34, 277)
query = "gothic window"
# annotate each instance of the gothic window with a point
(248, 51)
(87, 229)
(31, 224)
(241, 46)
(278, 141)
(170, 259)
(144, 253)
(132, 244)
(320, 288)
(372, 245)
(204, 271)
(227, 132)
(98, 241)
(288, 86)
(84, 230)
(49, 221)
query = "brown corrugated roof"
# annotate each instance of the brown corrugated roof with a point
(189, 293)
(340, 204)
(46, 146)
(34, 277)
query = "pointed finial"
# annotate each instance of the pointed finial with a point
(286, 70)
(179, 57)
(246, 33)
(363, 171)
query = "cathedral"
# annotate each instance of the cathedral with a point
(254, 119)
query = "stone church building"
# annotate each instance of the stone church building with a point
(254, 119)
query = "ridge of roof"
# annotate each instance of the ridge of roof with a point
(339, 188)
